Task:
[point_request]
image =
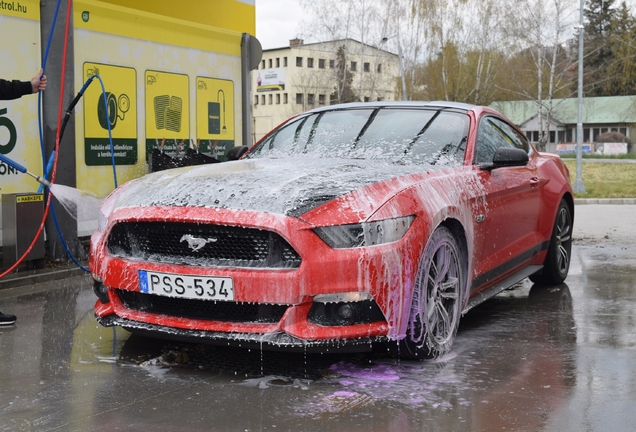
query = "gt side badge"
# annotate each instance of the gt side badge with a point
(480, 218)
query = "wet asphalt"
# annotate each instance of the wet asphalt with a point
(530, 359)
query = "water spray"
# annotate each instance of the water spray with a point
(22, 169)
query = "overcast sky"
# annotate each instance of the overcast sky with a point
(277, 21)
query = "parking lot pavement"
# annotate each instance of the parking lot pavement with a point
(605, 224)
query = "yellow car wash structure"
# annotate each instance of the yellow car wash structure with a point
(175, 77)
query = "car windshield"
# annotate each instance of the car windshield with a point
(402, 135)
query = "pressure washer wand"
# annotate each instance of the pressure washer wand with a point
(22, 169)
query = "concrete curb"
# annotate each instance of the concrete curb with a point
(582, 201)
(37, 276)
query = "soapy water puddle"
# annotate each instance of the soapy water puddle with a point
(319, 384)
(332, 382)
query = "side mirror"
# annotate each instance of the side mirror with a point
(235, 153)
(507, 157)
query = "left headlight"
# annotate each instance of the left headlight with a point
(366, 233)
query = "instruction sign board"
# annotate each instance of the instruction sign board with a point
(114, 107)
(215, 115)
(167, 106)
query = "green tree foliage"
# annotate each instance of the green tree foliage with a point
(458, 76)
(621, 72)
(599, 16)
(343, 91)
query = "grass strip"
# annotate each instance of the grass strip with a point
(605, 180)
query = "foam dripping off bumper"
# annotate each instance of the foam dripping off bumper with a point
(274, 341)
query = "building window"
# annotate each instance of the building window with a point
(299, 98)
(623, 131)
(299, 61)
(310, 62)
(380, 99)
(321, 99)
(552, 136)
(255, 100)
(270, 99)
(332, 64)
(378, 69)
(277, 98)
(366, 98)
(285, 99)
(354, 66)
(595, 133)
(263, 64)
(367, 67)
(270, 63)
(277, 62)
(310, 99)
(321, 63)
(586, 135)
(561, 136)
(284, 61)
(262, 99)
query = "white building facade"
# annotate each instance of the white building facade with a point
(301, 77)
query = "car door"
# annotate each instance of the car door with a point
(506, 231)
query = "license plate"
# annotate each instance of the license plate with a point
(185, 286)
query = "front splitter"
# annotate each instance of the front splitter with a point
(273, 341)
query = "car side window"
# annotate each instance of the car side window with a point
(493, 134)
(443, 142)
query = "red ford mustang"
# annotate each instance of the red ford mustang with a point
(348, 225)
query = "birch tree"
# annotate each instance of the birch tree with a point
(545, 25)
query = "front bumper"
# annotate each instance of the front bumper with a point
(273, 341)
(384, 272)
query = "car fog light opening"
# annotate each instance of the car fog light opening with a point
(366, 233)
(101, 291)
(344, 313)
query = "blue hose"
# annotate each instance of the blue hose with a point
(110, 134)
(112, 149)
(46, 56)
(52, 157)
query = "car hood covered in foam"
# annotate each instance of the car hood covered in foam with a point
(290, 186)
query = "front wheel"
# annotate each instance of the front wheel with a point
(557, 261)
(436, 305)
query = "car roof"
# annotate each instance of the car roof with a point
(396, 104)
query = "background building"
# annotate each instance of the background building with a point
(600, 115)
(293, 79)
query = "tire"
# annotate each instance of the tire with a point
(437, 296)
(557, 261)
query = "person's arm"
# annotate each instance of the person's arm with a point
(14, 89)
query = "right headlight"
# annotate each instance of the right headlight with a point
(366, 233)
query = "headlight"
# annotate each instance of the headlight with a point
(366, 233)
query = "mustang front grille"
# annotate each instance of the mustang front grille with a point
(202, 309)
(201, 244)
